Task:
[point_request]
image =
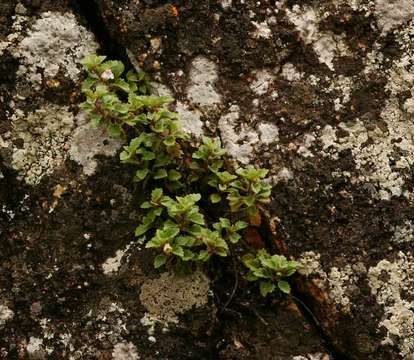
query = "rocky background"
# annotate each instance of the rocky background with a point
(321, 92)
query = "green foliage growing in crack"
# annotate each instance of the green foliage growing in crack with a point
(197, 204)
(269, 270)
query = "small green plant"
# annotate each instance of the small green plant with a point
(181, 178)
(269, 270)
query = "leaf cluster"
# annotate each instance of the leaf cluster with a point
(270, 271)
(179, 175)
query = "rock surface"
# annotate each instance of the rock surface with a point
(319, 92)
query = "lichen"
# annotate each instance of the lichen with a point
(112, 264)
(339, 283)
(190, 119)
(6, 314)
(317, 356)
(45, 136)
(171, 295)
(54, 42)
(374, 159)
(203, 76)
(125, 351)
(393, 13)
(403, 233)
(391, 284)
(87, 142)
(325, 44)
(240, 139)
(262, 80)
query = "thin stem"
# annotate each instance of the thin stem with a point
(236, 277)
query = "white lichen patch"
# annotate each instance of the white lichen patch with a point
(13, 37)
(190, 119)
(54, 42)
(304, 147)
(111, 265)
(325, 44)
(150, 321)
(261, 30)
(403, 233)
(125, 351)
(239, 144)
(268, 133)
(311, 264)
(35, 347)
(88, 142)
(171, 295)
(343, 86)
(45, 136)
(225, 4)
(383, 150)
(6, 314)
(392, 13)
(262, 81)
(374, 159)
(317, 356)
(203, 76)
(291, 73)
(392, 285)
(240, 139)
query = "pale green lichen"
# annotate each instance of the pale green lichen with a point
(373, 160)
(45, 136)
(171, 295)
(403, 233)
(391, 284)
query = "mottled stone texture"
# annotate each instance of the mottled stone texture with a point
(320, 92)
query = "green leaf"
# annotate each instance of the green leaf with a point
(145, 226)
(168, 233)
(121, 84)
(188, 255)
(203, 255)
(159, 261)
(284, 286)
(146, 205)
(240, 225)
(178, 251)
(250, 277)
(147, 155)
(87, 84)
(160, 174)
(169, 141)
(215, 198)
(196, 218)
(234, 238)
(266, 288)
(140, 174)
(92, 61)
(156, 195)
(114, 130)
(117, 67)
(132, 76)
(174, 175)
(95, 120)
